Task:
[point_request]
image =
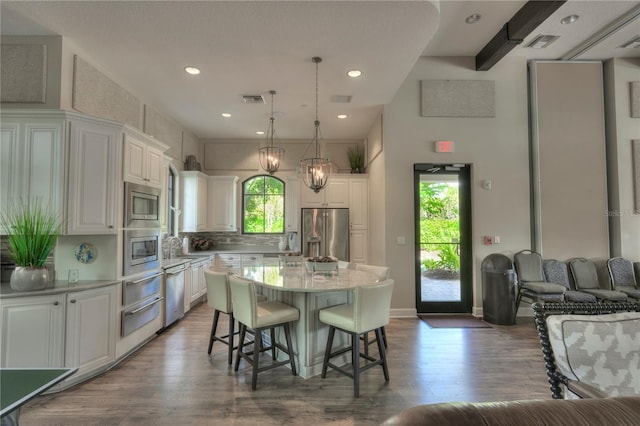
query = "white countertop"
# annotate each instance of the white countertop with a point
(55, 287)
(296, 278)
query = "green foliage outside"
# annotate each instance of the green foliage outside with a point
(263, 205)
(439, 225)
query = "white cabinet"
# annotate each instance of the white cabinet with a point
(193, 201)
(291, 204)
(187, 290)
(222, 203)
(32, 331)
(198, 281)
(93, 178)
(359, 203)
(228, 263)
(91, 330)
(32, 159)
(165, 190)
(359, 246)
(335, 194)
(142, 161)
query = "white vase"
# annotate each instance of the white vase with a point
(26, 278)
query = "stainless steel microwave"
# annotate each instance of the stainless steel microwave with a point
(141, 250)
(141, 206)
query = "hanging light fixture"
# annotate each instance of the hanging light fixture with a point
(316, 170)
(271, 155)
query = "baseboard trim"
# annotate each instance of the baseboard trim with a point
(404, 313)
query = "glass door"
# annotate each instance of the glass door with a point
(443, 238)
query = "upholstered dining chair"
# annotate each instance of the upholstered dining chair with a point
(260, 316)
(585, 277)
(382, 272)
(368, 312)
(622, 276)
(557, 272)
(532, 286)
(219, 298)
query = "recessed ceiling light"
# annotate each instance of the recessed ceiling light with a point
(342, 116)
(192, 70)
(259, 132)
(226, 115)
(354, 73)
(569, 19)
(472, 19)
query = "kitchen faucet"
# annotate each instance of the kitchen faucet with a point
(170, 241)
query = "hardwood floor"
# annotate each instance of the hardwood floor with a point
(173, 381)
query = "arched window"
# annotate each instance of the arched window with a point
(263, 205)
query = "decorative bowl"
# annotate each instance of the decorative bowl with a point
(326, 266)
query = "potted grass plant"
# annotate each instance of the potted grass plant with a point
(32, 231)
(355, 154)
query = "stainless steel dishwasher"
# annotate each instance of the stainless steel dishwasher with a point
(174, 294)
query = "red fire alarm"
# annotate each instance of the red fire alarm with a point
(444, 146)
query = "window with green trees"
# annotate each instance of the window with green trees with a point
(263, 205)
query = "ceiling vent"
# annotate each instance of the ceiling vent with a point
(253, 99)
(634, 43)
(341, 99)
(542, 41)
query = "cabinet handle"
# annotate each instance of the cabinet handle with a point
(110, 226)
(56, 303)
(73, 300)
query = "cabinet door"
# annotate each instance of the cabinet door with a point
(201, 204)
(154, 169)
(311, 199)
(134, 160)
(291, 204)
(359, 246)
(337, 192)
(32, 332)
(193, 201)
(221, 204)
(359, 203)
(91, 334)
(187, 290)
(12, 169)
(93, 179)
(196, 270)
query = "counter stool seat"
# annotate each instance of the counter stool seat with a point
(219, 298)
(368, 312)
(260, 316)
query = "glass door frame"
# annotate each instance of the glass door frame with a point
(465, 304)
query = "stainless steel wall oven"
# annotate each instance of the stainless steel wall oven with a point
(141, 250)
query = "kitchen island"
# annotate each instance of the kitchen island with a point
(309, 292)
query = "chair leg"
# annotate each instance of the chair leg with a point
(381, 350)
(356, 364)
(365, 338)
(518, 299)
(327, 351)
(243, 332)
(257, 344)
(232, 327)
(214, 325)
(272, 333)
(384, 337)
(287, 335)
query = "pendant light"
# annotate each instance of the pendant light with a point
(271, 155)
(316, 170)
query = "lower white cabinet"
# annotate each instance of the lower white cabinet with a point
(359, 246)
(187, 290)
(33, 331)
(91, 330)
(61, 330)
(198, 287)
(228, 263)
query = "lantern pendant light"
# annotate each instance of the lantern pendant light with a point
(271, 155)
(316, 170)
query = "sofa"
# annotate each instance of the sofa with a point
(620, 411)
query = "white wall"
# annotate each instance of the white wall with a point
(621, 130)
(497, 148)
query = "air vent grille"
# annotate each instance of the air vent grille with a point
(253, 99)
(542, 41)
(341, 99)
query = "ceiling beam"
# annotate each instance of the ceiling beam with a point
(528, 18)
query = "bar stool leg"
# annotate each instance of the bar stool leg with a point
(240, 352)
(287, 335)
(327, 351)
(257, 344)
(272, 333)
(216, 315)
(356, 364)
(381, 350)
(232, 326)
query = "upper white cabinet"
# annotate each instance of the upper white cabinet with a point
(193, 201)
(291, 204)
(143, 162)
(221, 203)
(32, 159)
(335, 194)
(93, 178)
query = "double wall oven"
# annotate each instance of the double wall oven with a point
(142, 292)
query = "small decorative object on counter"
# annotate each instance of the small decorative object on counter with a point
(202, 243)
(321, 264)
(290, 259)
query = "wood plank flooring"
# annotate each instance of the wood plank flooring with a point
(172, 380)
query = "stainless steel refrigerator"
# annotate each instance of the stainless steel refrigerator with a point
(325, 232)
